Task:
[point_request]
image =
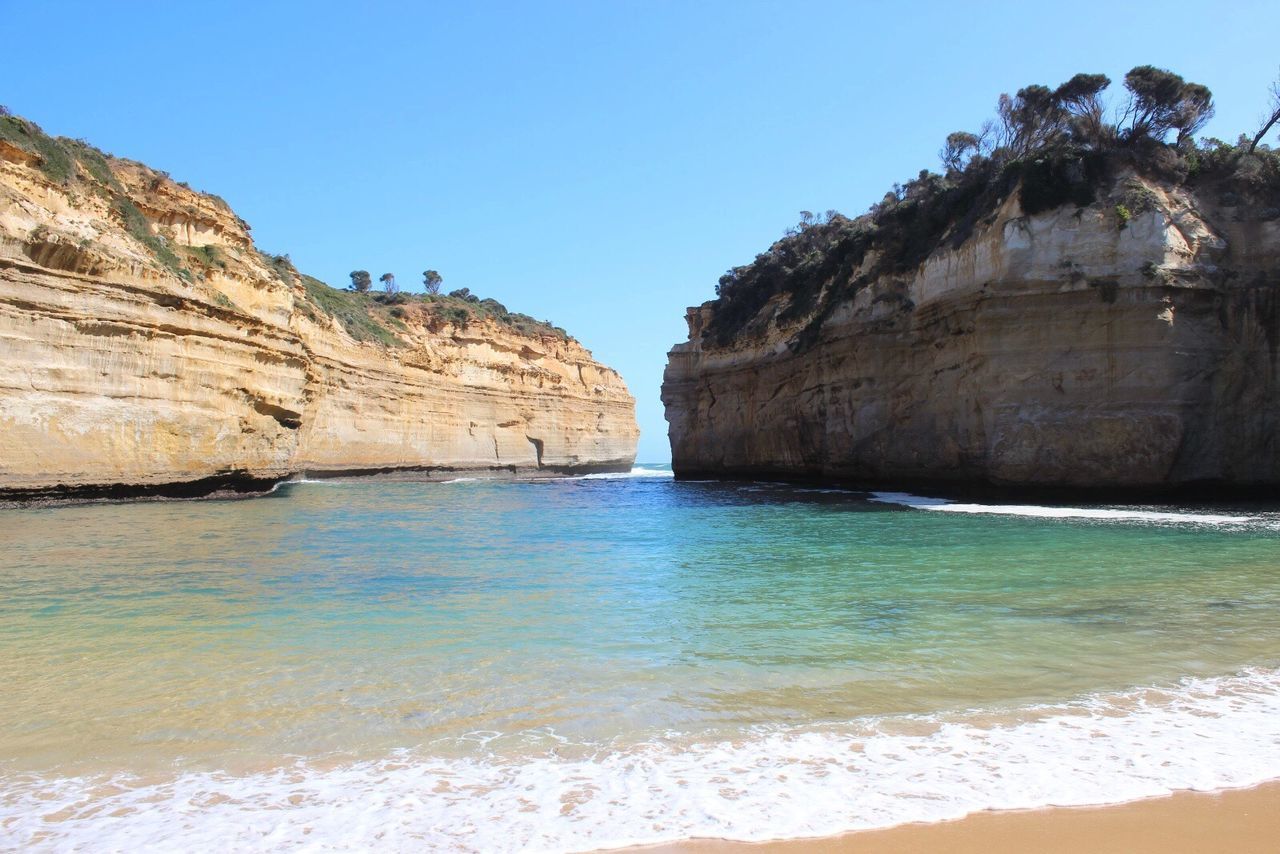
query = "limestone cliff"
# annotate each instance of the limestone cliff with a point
(1126, 341)
(147, 346)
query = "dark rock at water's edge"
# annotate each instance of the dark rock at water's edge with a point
(238, 485)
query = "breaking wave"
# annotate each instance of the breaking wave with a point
(1202, 734)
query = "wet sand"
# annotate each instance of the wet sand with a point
(1240, 821)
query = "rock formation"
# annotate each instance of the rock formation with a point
(1111, 344)
(147, 346)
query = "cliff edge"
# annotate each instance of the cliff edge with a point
(1076, 315)
(148, 347)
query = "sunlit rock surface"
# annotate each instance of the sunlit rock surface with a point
(119, 372)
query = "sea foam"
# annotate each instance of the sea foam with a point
(1043, 512)
(637, 471)
(1202, 734)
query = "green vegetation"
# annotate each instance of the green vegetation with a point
(355, 311)
(136, 224)
(282, 266)
(366, 316)
(372, 316)
(1053, 147)
(60, 159)
(56, 162)
(208, 257)
(361, 281)
(463, 307)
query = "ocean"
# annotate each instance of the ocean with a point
(613, 660)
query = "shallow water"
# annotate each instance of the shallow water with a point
(602, 661)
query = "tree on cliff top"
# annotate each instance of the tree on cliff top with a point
(1081, 99)
(361, 281)
(389, 283)
(1038, 119)
(1270, 118)
(1161, 101)
(1032, 119)
(960, 148)
(1051, 146)
(431, 280)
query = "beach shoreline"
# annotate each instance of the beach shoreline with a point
(1242, 821)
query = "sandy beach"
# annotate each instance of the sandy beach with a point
(1241, 821)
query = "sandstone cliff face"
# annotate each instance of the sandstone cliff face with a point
(146, 343)
(1064, 349)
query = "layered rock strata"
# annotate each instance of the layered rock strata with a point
(1077, 347)
(146, 346)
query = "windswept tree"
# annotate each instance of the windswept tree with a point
(431, 280)
(808, 219)
(1161, 101)
(361, 280)
(1080, 98)
(1029, 121)
(961, 147)
(1269, 118)
(1034, 119)
(389, 283)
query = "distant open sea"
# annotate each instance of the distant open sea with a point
(611, 660)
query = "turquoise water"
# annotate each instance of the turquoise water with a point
(602, 661)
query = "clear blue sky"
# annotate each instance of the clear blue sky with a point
(596, 163)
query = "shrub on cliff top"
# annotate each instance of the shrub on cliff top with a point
(1052, 181)
(1054, 147)
(461, 307)
(371, 316)
(352, 310)
(61, 160)
(54, 160)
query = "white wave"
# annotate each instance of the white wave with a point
(1039, 512)
(1205, 734)
(638, 471)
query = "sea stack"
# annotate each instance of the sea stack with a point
(150, 348)
(1080, 319)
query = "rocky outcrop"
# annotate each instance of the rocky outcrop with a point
(148, 347)
(1084, 347)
